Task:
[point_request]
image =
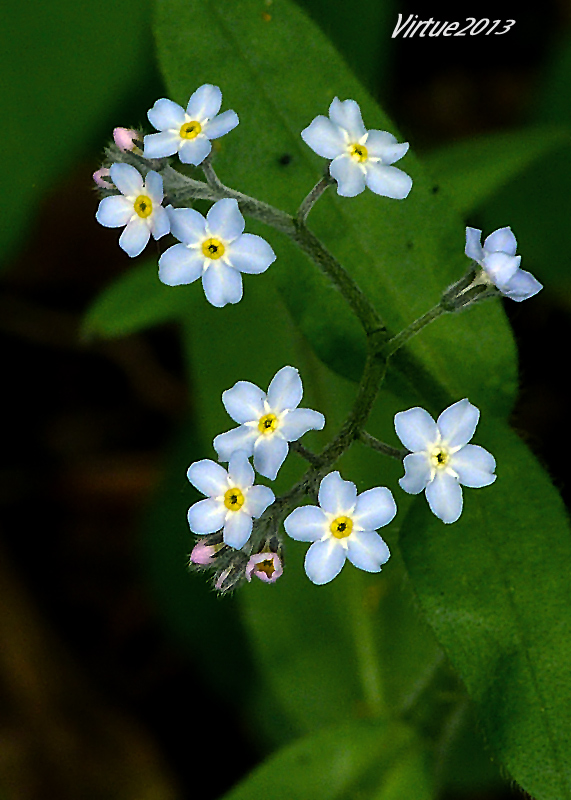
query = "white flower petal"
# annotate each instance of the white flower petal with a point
(165, 115)
(244, 402)
(444, 497)
(521, 286)
(224, 220)
(270, 452)
(285, 390)
(222, 285)
(179, 265)
(127, 179)
(240, 471)
(366, 550)
(159, 222)
(349, 176)
(458, 422)
(474, 465)
(160, 145)
(153, 187)
(208, 477)
(300, 420)
(134, 238)
(501, 267)
(251, 254)
(221, 125)
(257, 500)
(324, 561)
(206, 516)
(473, 247)
(324, 138)
(194, 151)
(187, 225)
(501, 240)
(347, 115)
(114, 212)
(241, 438)
(388, 181)
(374, 509)
(417, 473)
(237, 529)
(383, 145)
(337, 496)
(306, 524)
(204, 103)
(416, 429)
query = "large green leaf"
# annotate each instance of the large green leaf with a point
(495, 588)
(402, 253)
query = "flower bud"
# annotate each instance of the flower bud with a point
(203, 554)
(126, 138)
(101, 178)
(229, 579)
(265, 566)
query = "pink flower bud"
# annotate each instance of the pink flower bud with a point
(265, 566)
(99, 178)
(203, 554)
(221, 578)
(125, 138)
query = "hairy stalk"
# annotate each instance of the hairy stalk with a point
(312, 198)
(415, 327)
(381, 447)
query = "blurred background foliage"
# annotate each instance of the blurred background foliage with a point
(121, 676)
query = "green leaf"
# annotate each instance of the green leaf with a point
(409, 778)
(402, 253)
(495, 588)
(470, 171)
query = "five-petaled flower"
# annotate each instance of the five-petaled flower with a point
(232, 499)
(138, 207)
(215, 249)
(500, 264)
(359, 157)
(267, 421)
(441, 458)
(342, 526)
(189, 132)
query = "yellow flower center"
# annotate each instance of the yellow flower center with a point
(213, 248)
(439, 458)
(266, 566)
(234, 499)
(359, 152)
(143, 206)
(190, 130)
(268, 423)
(341, 527)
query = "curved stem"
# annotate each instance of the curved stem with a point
(312, 198)
(408, 333)
(381, 447)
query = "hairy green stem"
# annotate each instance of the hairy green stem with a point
(312, 198)
(415, 327)
(381, 447)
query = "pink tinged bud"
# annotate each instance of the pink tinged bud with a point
(203, 554)
(125, 138)
(101, 178)
(221, 578)
(265, 566)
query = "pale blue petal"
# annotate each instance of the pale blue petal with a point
(366, 550)
(127, 179)
(417, 473)
(222, 285)
(187, 225)
(347, 115)
(154, 187)
(179, 265)
(374, 508)
(521, 286)
(324, 561)
(501, 240)
(336, 495)
(258, 499)
(159, 222)
(134, 238)
(251, 254)
(444, 497)
(501, 267)
(458, 422)
(241, 438)
(240, 470)
(324, 138)
(208, 477)
(194, 151)
(206, 516)
(349, 176)
(387, 181)
(285, 390)
(244, 402)
(221, 125)
(165, 115)
(306, 524)
(383, 145)
(160, 145)
(114, 212)
(237, 529)
(270, 452)
(416, 429)
(204, 103)
(473, 247)
(224, 220)
(474, 465)
(300, 420)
